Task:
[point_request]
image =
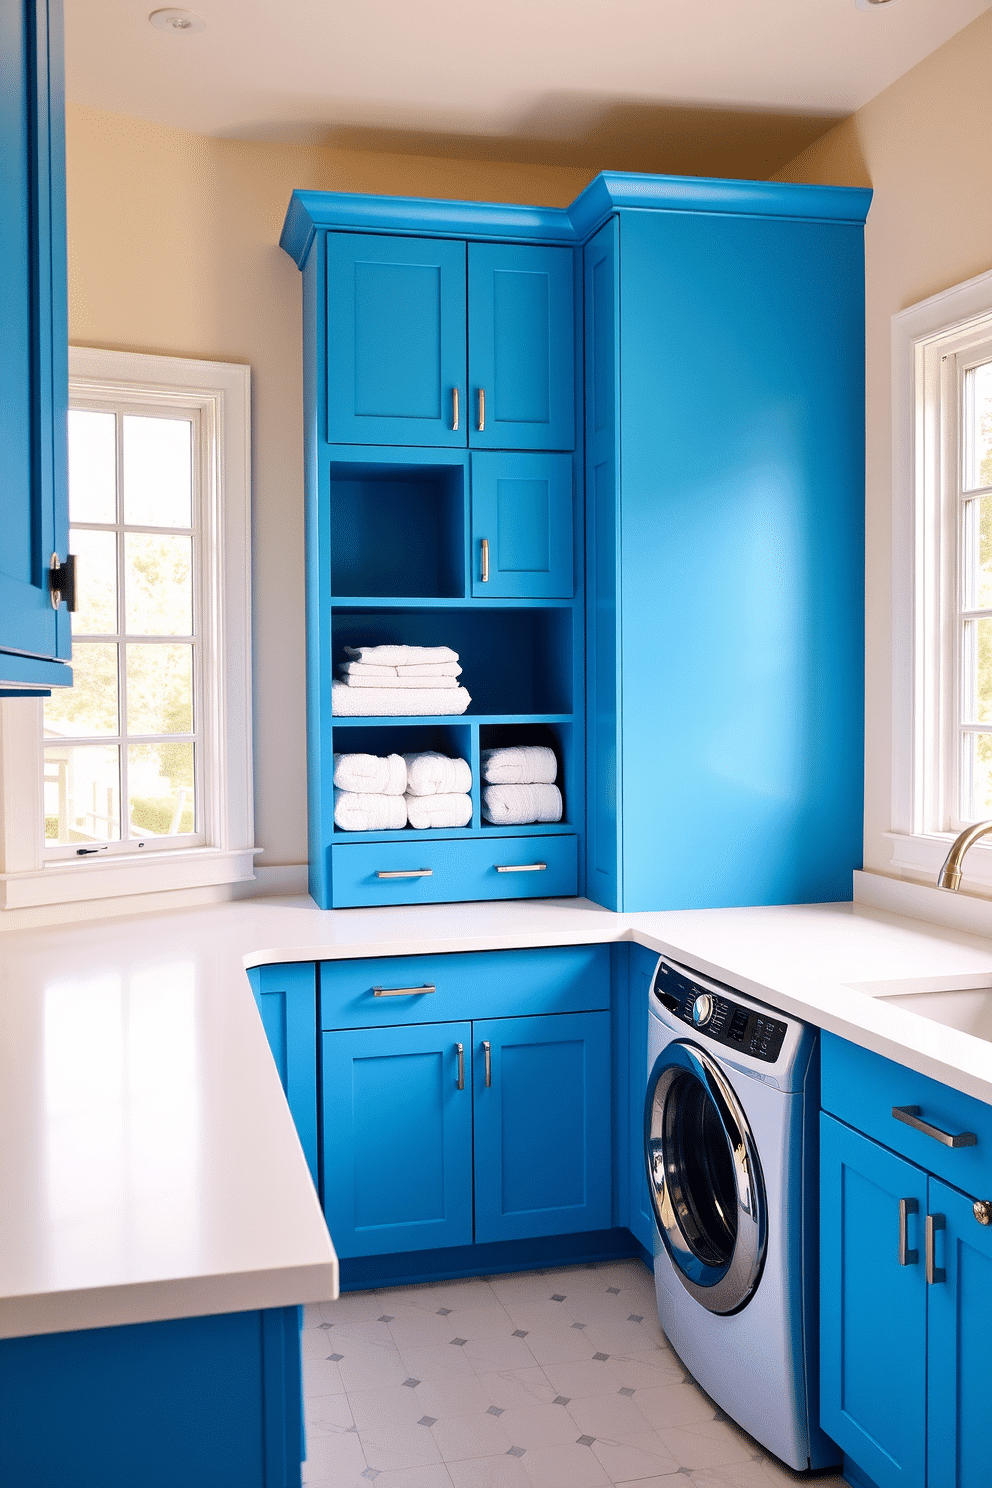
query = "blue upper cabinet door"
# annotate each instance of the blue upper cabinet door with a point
(873, 1306)
(521, 347)
(960, 1364)
(395, 340)
(522, 526)
(542, 1125)
(34, 366)
(398, 1138)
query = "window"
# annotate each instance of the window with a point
(144, 766)
(942, 583)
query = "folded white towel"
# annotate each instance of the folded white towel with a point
(386, 702)
(445, 684)
(370, 773)
(525, 764)
(439, 811)
(432, 669)
(432, 774)
(384, 674)
(359, 669)
(361, 811)
(514, 805)
(401, 655)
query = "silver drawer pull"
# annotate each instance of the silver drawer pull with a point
(907, 1257)
(520, 867)
(405, 873)
(487, 1050)
(935, 1273)
(403, 991)
(910, 1116)
(460, 1051)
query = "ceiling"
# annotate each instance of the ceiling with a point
(636, 84)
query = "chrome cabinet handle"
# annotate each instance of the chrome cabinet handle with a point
(487, 1051)
(520, 867)
(404, 873)
(403, 991)
(485, 560)
(935, 1273)
(910, 1116)
(460, 1051)
(482, 410)
(454, 409)
(907, 1257)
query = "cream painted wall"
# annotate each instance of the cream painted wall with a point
(925, 146)
(173, 248)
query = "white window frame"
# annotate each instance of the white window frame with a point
(931, 343)
(32, 877)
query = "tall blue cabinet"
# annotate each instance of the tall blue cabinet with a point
(35, 642)
(614, 456)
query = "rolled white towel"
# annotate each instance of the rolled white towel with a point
(371, 773)
(524, 764)
(444, 684)
(388, 702)
(401, 655)
(432, 669)
(448, 810)
(361, 811)
(515, 805)
(432, 774)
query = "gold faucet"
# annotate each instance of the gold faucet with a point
(949, 876)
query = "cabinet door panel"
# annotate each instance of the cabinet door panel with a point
(873, 1311)
(286, 997)
(542, 1127)
(522, 507)
(521, 336)
(395, 340)
(960, 1363)
(397, 1139)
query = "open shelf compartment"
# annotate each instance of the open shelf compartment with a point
(397, 530)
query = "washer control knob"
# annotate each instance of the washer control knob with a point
(702, 1009)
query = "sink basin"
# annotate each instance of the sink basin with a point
(968, 1009)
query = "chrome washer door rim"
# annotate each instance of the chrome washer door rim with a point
(719, 1288)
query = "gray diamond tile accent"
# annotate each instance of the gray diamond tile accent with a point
(584, 1441)
(625, 1390)
(444, 1311)
(516, 1451)
(335, 1357)
(411, 1383)
(519, 1333)
(386, 1318)
(578, 1325)
(371, 1473)
(601, 1357)
(495, 1410)
(635, 1319)
(561, 1400)
(686, 1470)
(352, 1428)
(427, 1421)
(613, 1291)
(458, 1342)
(558, 1297)
(325, 1325)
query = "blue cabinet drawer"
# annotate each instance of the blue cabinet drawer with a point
(419, 872)
(477, 984)
(863, 1088)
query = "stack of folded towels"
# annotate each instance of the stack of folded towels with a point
(520, 785)
(389, 680)
(375, 794)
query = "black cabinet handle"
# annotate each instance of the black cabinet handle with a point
(910, 1116)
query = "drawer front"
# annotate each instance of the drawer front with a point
(862, 1088)
(479, 984)
(448, 871)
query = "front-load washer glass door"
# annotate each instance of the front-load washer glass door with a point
(704, 1178)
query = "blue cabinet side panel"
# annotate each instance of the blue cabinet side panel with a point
(320, 763)
(287, 1002)
(189, 1401)
(959, 1374)
(742, 356)
(641, 1216)
(872, 1309)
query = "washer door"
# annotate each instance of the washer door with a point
(705, 1179)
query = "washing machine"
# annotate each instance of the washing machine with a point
(730, 1146)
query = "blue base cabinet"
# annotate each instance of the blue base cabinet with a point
(906, 1274)
(205, 1402)
(286, 998)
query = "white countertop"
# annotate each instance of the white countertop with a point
(149, 1167)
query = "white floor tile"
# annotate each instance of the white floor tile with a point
(674, 1405)
(673, 1480)
(533, 1426)
(415, 1328)
(509, 1388)
(711, 1444)
(637, 1456)
(581, 1379)
(435, 1476)
(565, 1467)
(386, 1405)
(477, 1435)
(500, 1471)
(391, 1445)
(327, 1414)
(614, 1417)
(366, 1367)
(452, 1395)
(335, 1458)
(489, 1354)
(561, 1346)
(436, 1362)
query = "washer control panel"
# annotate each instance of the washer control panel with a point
(758, 1034)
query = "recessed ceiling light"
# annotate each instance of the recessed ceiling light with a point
(182, 22)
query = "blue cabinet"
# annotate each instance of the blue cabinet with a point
(286, 998)
(640, 1215)
(522, 526)
(35, 642)
(959, 1366)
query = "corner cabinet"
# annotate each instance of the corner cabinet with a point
(613, 456)
(906, 1273)
(35, 642)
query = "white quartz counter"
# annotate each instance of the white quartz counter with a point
(149, 1167)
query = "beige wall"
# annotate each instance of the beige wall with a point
(173, 248)
(925, 146)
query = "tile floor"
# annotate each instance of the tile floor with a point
(541, 1379)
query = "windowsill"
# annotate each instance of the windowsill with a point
(71, 880)
(924, 855)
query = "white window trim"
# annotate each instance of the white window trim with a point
(222, 392)
(921, 334)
